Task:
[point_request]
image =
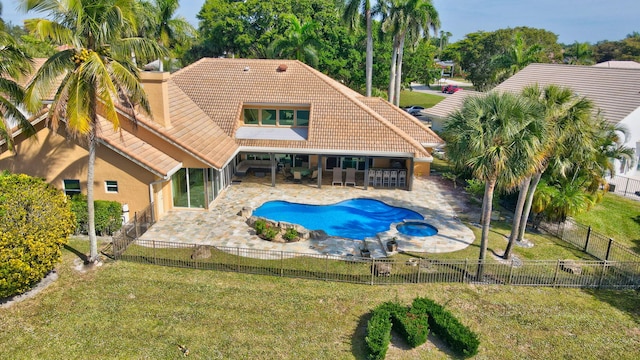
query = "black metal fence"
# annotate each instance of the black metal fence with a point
(625, 186)
(560, 273)
(591, 242)
(132, 230)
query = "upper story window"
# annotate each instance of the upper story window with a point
(280, 116)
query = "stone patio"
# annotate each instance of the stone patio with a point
(221, 226)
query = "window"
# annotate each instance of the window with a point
(273, 116)
(111, 186)
(71, 187)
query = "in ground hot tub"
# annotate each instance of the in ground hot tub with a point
(416, 228)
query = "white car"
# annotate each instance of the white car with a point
(414, 110)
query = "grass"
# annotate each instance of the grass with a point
(616, 217)
(408, 98)
(128, 310)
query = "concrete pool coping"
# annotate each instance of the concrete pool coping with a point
(221, 226)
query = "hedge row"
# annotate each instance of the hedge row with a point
(411, 325)
(460, 338)
(378, 333)
(108, 215)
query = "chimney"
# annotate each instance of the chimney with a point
(156, 86)
(282, 68)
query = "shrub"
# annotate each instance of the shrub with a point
(475, 188)
(460, 338)
(270, 232)
(108, 215)
(378, 333)
(260, 225)
(36, 221)
(291, 234)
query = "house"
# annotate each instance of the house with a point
(218, 118)
(615, 92)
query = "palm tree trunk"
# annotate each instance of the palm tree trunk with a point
(91, 212)
(524, 186)
(486, 222)
(527, 205)
(392, 72)
(369, 56)
(399, 71)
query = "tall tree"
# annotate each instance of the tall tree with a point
(489, 135)
(299, 42)
(516, 57)
(14, 63)
(161, 24)
(580, 54)
(406, 19)
(96, 71)
(351, 14)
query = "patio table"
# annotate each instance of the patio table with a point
(302, 170)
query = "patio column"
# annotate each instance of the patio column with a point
(366, 172)
(272, 157)
(410, 175)
(319, 171)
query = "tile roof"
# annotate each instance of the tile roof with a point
(137, 150)
(452, 103)
(339, 119)
(619, 64)
(615, 91)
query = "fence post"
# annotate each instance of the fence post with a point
(373, 269)
(195, 257)
(604, 269)
(237, 259)
(466, 270)
(608, 249)
(510, 273)
(326, 267)
(281, 263)
(626, 187)
(555, 276)
(155, 259)
(586, 242)
(418, 272)
(135, 223)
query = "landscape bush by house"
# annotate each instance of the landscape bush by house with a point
(447, 327)
(36, 222)
(108, 215)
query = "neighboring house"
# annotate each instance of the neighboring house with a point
(619, 64)
(615, 92)
(438, 113)
(217, 118)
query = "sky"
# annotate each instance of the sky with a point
(572, 20)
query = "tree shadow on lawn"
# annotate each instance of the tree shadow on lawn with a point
(624, 300)
(77, 252)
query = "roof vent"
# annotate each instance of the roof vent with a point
(282, 68)
(246, 68)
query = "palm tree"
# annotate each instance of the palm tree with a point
(299, 42)
(490, 135)
(516, 58)
(406, 19)
(95, 69)
(13, 64)
(160, 23)
(569, 123)
(351, 15)
(581, 54)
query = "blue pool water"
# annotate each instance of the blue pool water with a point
(416, 228)
(352, 219)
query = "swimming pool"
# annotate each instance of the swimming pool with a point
(352, 219)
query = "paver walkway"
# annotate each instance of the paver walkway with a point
(221, 225)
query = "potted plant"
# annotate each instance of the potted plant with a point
(364, 252)
(392, 245)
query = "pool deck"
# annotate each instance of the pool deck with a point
(222, 226)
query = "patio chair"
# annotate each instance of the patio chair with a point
(402, 178)
(297, 177)
(314, 176)
(378, 181)
(337, 176)
(393, 178)
(287, 175)
(386, 175)
(372, 177)
(351, 177)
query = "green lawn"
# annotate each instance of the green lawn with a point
(408, 98)
(134, 311)
(616, 217)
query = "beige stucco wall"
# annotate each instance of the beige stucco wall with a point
(54, 157)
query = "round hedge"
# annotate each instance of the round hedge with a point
(36, 222)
